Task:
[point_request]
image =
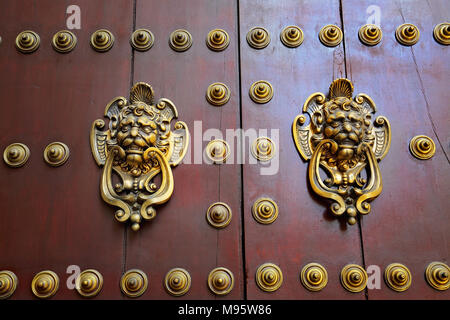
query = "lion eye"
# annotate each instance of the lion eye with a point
(147, 129)
(335, 124)
(125, 128)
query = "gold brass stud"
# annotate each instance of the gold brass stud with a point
(269, 277)
(292, 36)
(354, 278)
(261, 91)
(218, 94)
(133, 283)
(218, 151)
(8, 284)
(263, 149)
(265, 210)
(64, 41)
(27, 41)
(438, 275)
(441, 33)
(102, 40)
(16, 155)
(370, 34)
(217, 40)
(142, 39)
(407, 34)
(177, 282)
(422, 147)
(330, 35)
(45, 284)
(56, 154)
(258, 38)
(397, 277)
(314, 277)
(89, 283)
(180, 40)
(219, 215)
(221, 281)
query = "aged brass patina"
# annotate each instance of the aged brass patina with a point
(218, 94)
(218, 151)
(397, 277)
(441, 33)
(258, 38)
(45, 284)
(354, 278)
(292, 36)
(331, 35)
(265, 210)
(102, 40)
(220, 281)
(314, 277)
(438, 275)
(138, 146)
(261, 91)
(177, 282)
(263, 149)
(370, 34)
(89, 283)
(27, 41)
(16, 155)
(269, 277)
(407, 34)
(219, 215)
(342, 140)
(422, 147)
(8, 284)
(142, 39)
(133, 283)
(64, 41)
(56, 154)
(180, 40)
(217, 40)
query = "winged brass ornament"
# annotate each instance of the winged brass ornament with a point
(343, 146)
(137, 147)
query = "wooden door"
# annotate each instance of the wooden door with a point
(53, 218)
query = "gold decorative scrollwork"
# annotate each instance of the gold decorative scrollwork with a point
(258, 38)
(16, 155)
(438, 275)
(89, 283)
(269, 277)
(219, 215)
(56, 154)
(314, 277)
(64, 41)
(422, 147)
(397, 277)
(370, 34)
(142, 39)
(102, 40)
(331, 35)
(261, 91)
(407, 34)
(292, 36)
(220, 281)
(134, 283)
(8, 284)
(138, 146)
(180, 40)
(265, 210)
(177, 282)
(45, 284)
(342, 140)
(218, 94)
(217, 40)
(441, 33)
(354, 278)
(27, 41)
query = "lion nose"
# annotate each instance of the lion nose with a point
(347, 127)
(134, 132)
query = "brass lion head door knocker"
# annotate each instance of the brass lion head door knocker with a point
(137, 151)
(343, 146)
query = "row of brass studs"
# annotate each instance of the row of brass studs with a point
(133, 283)
(314, 277)
(17, 154)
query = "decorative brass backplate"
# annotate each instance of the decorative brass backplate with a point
(407, 34)
(64, 41)
(219, 215)
(16, 155)
(56, 154)
(102, 40)
(27, 41)
(89, 283)
(269, 277)
(261, 91)
(330, 35)
(292, 36)
(353, 278)
(342, 140)
(45, 284)
(258, 38)
(177, 282)
(142, 39)
(180, 40)
(397, 277)
(370, 34)
(265, 210)
(8, 284)
(438, 275)
(441, 33)
(220, 281)
(422, 147)
(218, 94)
(137, 146)
(217, 40)
(314, 277)
(133, 283)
